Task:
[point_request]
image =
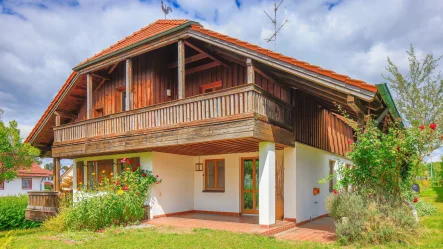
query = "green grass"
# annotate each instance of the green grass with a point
(148, 238)
(431, 236)
(432, 226)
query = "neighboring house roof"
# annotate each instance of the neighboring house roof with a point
(67, 172)
(35, 170)
(162, 28)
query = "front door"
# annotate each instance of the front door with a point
(249, 185)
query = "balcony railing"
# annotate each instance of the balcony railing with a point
(231, 102)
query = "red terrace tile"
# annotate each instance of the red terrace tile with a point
(241, 224)
(321, 230)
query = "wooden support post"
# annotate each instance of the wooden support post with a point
(88, 96)
(57, 118)
(56, 170)
(251, 73)
(381, 116)
(129, 94)
(181, 69)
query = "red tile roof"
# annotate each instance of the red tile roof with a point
(35, 170)
(151, 30)
(287, 59)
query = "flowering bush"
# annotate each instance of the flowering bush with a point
(386, 162)
(118, 200)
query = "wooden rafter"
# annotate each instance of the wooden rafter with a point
(264, 75)
(190, 59)
(203, 52)
(99, 85)
(202, 67)
(356, 105)
(112, 68)
(98, 75)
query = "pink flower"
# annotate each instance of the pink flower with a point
(125, 188)
(422, 127)
(415, 199)
(335, 191)
(143, 175)
(350, 141)
(123, 160)
(433, 126)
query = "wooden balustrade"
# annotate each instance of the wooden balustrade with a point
(224, 103)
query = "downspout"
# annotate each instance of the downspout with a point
(41, 184)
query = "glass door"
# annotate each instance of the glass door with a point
(249, 185)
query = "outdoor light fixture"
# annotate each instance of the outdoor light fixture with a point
(168, 92)
(199, 165)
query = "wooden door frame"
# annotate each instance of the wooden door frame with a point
(254, 182)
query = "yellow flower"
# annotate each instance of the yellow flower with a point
(120, 192)
(111, 174)
(93, 174)
(80, 183)
(103, 171)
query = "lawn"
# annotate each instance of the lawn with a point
(431, 236)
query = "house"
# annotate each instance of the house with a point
(66, 178)
(33, 179)
(231, 128)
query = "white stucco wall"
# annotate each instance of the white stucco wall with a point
(228, 201)
(312, 165)
(14, 187)
(175, 193)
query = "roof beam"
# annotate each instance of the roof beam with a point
(203, 52)
(356, 105)
(112, 68)
(65, 114)
(202, 67)
(381, 116)
(98, 75)
(190, 59)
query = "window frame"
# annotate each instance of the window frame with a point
(205, 176)
(213, 85)
(30, 185)
(2, 185)
(120, 99)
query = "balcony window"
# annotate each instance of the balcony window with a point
(211, 87)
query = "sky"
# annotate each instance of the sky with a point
(41, 41)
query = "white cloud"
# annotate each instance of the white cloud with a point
(39, 45)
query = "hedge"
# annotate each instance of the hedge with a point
(12, 213)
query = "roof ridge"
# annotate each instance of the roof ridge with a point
(290, 60)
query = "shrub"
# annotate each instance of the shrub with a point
(12, 213)
(116, 201)
(425, 209)
(367, 221)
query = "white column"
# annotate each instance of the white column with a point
(267, 183)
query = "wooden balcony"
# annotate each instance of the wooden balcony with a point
(238, 103)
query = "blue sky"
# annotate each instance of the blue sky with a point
(42, 40)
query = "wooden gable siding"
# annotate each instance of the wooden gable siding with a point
(152, 77)
(319, 127)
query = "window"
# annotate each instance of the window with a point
(134, 161)
(95, 171)
(2, 185)
(331, 175)
(98, 112)
(120, 99)
(80, 173)
(211, 87)
(215, 175)
(26, 183)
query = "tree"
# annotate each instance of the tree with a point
(49, 166)
(419, 93)
(14, 154)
